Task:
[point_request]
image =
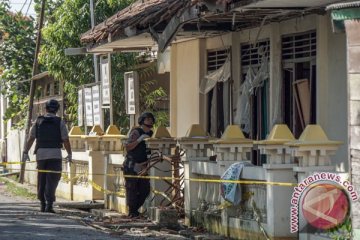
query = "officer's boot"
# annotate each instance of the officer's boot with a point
(49, 207)
(133, 212)
(42, 206)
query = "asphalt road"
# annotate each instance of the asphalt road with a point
(20, 219)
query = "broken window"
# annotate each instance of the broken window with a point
(299, 81)
(252, 105)
(254, 61)
(218, 97)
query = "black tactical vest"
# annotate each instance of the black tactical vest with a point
(138, 154)
(48, 133)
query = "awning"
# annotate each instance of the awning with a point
(140, 42)
(284, 3)
(343, 5)
(345, 14)
(343, 11)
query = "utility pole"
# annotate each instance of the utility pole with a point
(32, 86)
(96, 65)
(92, 16)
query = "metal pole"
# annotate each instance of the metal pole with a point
(84, 114)
(32, 86)
(92, 18)
(110, 92)
(231, 82)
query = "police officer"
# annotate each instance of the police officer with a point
(50, 133)
(137, 189)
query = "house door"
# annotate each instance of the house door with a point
(216, 110)
(299, 96)
(299, 81)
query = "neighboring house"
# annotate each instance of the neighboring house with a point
(345, 18)
(46, 88)
(276, 61)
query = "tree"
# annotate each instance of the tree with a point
(16, 56)
(150, 95)
(66, 21)
(64, 26)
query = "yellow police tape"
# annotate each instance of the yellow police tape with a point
(176, 179)
(13, 163)
(101, 189)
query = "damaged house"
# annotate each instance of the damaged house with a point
(253, 64)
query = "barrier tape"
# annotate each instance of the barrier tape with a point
(67, 179)
(13, 163)
(285, 184)
(101, 189)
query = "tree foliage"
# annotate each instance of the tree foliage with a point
(68, 20)
(151, 96)
(16, 56)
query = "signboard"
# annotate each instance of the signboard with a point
(105, 80)
(80, 108)
(96, 105)
(88, 107)
(131, 92)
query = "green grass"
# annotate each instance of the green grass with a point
(17, 191)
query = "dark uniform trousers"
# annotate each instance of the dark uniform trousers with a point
(48, 182)
(137, 190)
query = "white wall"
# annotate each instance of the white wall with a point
(332, 109)
(184, 86)
(15, 143)
(2, 127)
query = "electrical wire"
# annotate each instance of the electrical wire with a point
(23, 6)
(14, 4)
(27, 10)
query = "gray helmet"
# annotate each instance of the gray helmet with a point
(145, 115)
(52, 105)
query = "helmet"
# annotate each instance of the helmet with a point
(52, 105)
(144, 115)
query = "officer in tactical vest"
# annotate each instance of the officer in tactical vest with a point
(50, 133)
(137, 189)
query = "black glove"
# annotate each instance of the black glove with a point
(25, 157)
(69, 158)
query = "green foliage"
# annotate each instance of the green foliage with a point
(15, 190)
(16, 57)
(120, 64)
(343, 231)
(151, 97)
(67, 22)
